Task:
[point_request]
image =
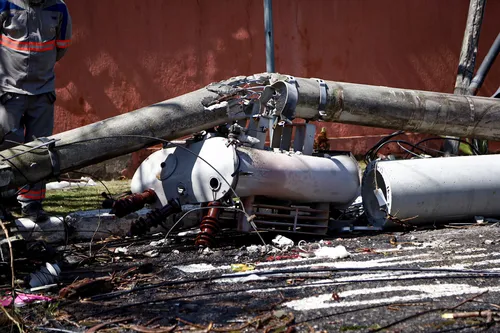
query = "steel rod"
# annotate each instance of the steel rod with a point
(269, 31)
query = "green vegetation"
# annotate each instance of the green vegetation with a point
(65, 201)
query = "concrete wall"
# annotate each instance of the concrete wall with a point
(129, 53)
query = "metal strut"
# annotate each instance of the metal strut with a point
(209, 226)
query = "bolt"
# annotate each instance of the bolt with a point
(181, 190)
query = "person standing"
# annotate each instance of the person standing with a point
(35, 34)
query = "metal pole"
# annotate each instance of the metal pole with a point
(402, 109)
(118, 136)
(310, 99)
(483, 70)
(269, 30)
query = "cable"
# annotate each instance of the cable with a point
(178, 146)
(221, 292)
(182, 217)
(26, 151)
(408, 151)
(474, 150)
(474, 273)
(160, 140)
(374, 153)
(96, 178)
(15, 166)
(369, 153)
(205, 208)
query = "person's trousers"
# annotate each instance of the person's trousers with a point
(23, 118)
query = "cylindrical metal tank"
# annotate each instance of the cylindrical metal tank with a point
(432, 189)
(251, 172)
(296, 177)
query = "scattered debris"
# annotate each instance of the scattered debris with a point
(102, 325)
(283, 257)
(269, 189)
(255, 248)
(242, 267)
(243, 279)
(45, 276)
(122, 250)
(152, 253)
(23, 299)
(86, 288)
(161, 242)
(207, 251)
(197, 268)
(68, 183)
(282, 242)
(337, 252)
(488, 314)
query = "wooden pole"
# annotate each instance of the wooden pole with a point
(467, 60)
(468, 53)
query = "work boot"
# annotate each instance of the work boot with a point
(35, 212)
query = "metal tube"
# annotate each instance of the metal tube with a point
(402, 109)
(297, 177)
(483, 70)
(431, 189)
(269, 30)
(82, 146)
(250, 171)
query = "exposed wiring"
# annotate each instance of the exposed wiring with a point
(274, 288)
(160, 140)
(474, 149)
(15, 167)
(95, 232)
(206, 208)
(183, 216)
(94, 177)
(474, 273)
(28, 150)
(369, 153)
(249, 218)
(372, 152)
(408, 151)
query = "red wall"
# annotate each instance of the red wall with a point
(129, 53)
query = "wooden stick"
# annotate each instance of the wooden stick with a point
(468, 53)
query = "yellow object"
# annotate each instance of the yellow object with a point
(242, 267)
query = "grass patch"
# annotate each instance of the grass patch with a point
(65, 201)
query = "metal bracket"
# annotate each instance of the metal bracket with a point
(285, 104)
(55, 161)
(323, 94)
(472, 123)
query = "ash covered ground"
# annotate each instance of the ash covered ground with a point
(395, 282)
